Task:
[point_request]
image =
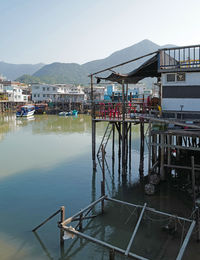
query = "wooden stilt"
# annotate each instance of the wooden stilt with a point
(119, 151)
(113, 148)
(94, 143)
(93, 125)
(103, 179)
(123, 131)
(111, 254)
(150, 149)
(130, 126)
(62, 218)
(162, 173)
(141, 167)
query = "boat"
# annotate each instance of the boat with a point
(71, 113)
(26, 111)
(41, 108)
(63, 113)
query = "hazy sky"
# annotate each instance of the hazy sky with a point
(46, 31)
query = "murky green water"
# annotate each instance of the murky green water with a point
(46, 163)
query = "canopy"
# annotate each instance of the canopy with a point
(147, 69)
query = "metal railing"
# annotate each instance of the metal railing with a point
(187, 57)
(114, 110)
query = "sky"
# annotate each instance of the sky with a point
(34, 31)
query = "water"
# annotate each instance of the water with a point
(46, 163)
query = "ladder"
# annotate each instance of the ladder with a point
(104, 140)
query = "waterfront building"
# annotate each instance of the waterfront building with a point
(98, 93)
(13, 91)
(57, 93)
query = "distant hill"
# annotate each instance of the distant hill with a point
(63, 73)
(13, 71)
(78, 74)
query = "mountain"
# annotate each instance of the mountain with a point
(78, 74)
(134, 51)
(13, 71)
(63, 73)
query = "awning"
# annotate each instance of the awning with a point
(147, 69)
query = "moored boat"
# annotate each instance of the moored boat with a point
(71, 113)
(26, 111)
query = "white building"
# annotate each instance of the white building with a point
(15, 93)
(57, 93)
(180, 78)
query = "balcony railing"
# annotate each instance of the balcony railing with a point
(114, 110)
(180, 58)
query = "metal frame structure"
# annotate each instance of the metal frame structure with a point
(112, 249)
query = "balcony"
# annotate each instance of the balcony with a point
(179, 59)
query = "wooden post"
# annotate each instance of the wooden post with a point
(113, 147)
(123, 130)
(112, 254)
(80, 222)
(119, 149)
(169, 142)
(93, 125)
(94, 144)
(162, 173)
(127, 92)
(150, 148)
(154, 148)
(130, 147)
(62, 218)
(103, 179)
(126, 146)
(141, 167)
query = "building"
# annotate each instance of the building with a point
(98, 93)
(57, 93)
(180, 78)
(13, 91)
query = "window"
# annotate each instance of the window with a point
(54, 88)
(43, 89)
(38, 95)
(181, 76)
(25, 98)
(171, 77)
(47, 89)
(34, 95)
(47, 95)
(44, 95)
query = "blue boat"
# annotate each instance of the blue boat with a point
(71, 113)
(26, 111)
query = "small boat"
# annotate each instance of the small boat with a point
(63, 113)
(71, 113)
(26, 111)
